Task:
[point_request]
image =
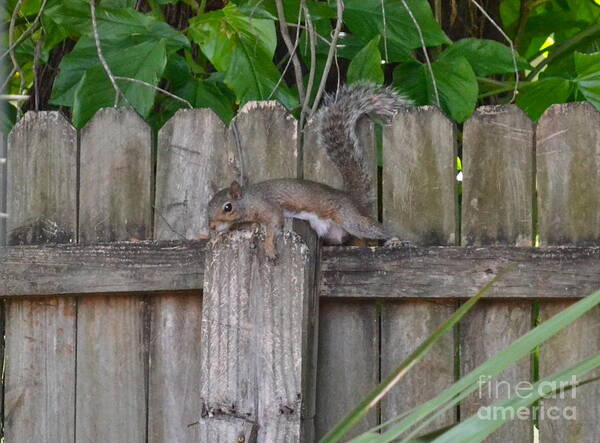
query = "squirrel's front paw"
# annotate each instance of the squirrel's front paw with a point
(271, 253)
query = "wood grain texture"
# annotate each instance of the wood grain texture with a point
(568, 167)
(404, 326)
(112, 267)
(318, 167)
(267, 140)
(39, 393)
(348, 363)
(498, 174)
(419, 177)
(39, 380)
(115, 181)
(194, 159)
(42, 172)
(253, 323)
(115, 189)
(569, 213)
(487, 329)
(419, 204)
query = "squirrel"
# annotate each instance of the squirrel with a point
(333, 214)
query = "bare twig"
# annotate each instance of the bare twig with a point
(330, 55)
(36, 83)
(414, 20)
(11, 47)
(385, 48)
(156, 210)
(319, 36)
(291, 47)
(510, 42)
(156, 88)
(101, 56)
(28, 31)
(313, 65)
(14, 97)
(8, 77)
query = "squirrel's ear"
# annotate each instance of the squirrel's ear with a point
(235, 190)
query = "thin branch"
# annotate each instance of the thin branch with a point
(313, 65)
(238, 145)
(429, 67)
(385, 47)
(330, 55)
(8, 77)
(11, 51)
(512, 48)
(36, 83)
(14, 97)
(319, 36)
(291, 47)
(156, 88)
(183, 237)
(28, 31)
(101, 56)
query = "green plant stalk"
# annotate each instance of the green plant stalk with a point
(476, 429)
(495, 365)
(390, 381)
(564, 47)
(156, 11)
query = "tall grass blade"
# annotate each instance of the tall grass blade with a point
(358, 413)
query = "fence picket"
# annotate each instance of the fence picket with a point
(419, 204)
(497, 208)
(39, 395)
(192, 156)
(569, 213)
(115, 189)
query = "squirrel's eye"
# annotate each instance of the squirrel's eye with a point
(227, 207)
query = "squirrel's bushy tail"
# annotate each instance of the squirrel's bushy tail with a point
(336, 127)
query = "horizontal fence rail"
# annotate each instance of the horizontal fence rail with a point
(123, 324)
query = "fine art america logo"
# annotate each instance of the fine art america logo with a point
(545, 390)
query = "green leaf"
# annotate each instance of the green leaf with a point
(535, 98)
(456, 84)
(399, 35)
(486, 56)
(145, 62)
(367, 64)
(242, 48)
(492, 367)
(206, 94)
(588, 79)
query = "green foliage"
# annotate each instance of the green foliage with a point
(223, 58)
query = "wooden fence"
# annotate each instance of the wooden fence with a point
(171, 341)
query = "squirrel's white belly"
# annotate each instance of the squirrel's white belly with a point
(324, 227)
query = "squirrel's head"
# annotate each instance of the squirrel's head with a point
(224, 208)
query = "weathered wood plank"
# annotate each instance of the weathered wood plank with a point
(42, 173)
(266, 133)
(254, 322)
(115, 190)
(348, 362)
(404, 326)
(498, 177)
(569, 213)
(115, 182)
(114, 267)
(385, 273)
(419, 204)
(39, 388)
(568, 168)
(194, 159)
(39, 392)
(419, 177)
